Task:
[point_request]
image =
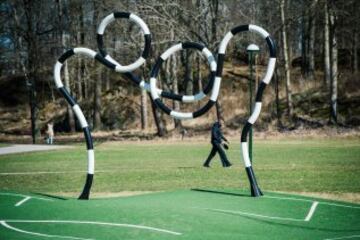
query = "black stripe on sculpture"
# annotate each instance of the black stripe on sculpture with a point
(67, 96)
(210, 84)
(241, 28)
(88, 138)
(187, 45)
(147, 46)
(100, 43)
(204, 109)
(105, 62)
(171, 95)
(156, 68)
(245, 131)
(133, 78)
(260, 92)
(272, 47)
(162, 106)
(220, 64)
(255, 190)
(86, 191)
(66, 55)
(121, 14)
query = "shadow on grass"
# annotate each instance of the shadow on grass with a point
(50, 196)
(220, 192)
(302, 225)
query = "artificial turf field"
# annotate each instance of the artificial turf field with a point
(213, 211)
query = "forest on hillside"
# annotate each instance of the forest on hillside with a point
(315, 82)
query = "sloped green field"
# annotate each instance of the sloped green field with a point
(187, 214)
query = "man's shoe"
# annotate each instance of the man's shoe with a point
(228, 165)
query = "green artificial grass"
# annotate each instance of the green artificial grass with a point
(187, 214)
(330, 166)
(196, 202)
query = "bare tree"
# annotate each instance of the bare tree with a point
(327, 70)
(286, 59)
(355, 52)
(334, 65)
(64, 34)
(312, 28)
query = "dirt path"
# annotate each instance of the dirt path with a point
(21, 148)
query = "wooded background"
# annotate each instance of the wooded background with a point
(316, 80)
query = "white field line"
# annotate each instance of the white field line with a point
(311, 212)
(307, 218)
(95, 223)
(22, 201)
(48, 172)
(24, 196)
(254, 215)
(288, 198)
(40, 172)
(346, 237)
(3, 223)
(309, 200)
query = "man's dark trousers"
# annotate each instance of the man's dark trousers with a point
(217, 148)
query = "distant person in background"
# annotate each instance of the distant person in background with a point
(50, 133)
(183, 132)
(217, 146)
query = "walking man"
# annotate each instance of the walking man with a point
(217, 140)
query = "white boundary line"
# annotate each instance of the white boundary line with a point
(41, 172)
(95, 223)
(253, 214)
(22, 201)
(307, 218)
(49, 172)
(309, 200)
(346, 237)
(24, 196)
(311, 212)
(3, 223)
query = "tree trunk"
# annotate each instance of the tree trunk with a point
(70, 117)
(188, 82)
(286, 60)
(176, 104)
(334, 68)
(312, 28)
(97, 101)
(144, 117)
(304, 41)
(174, 81)
(355, 53)
(219, 112)
(277, 101)
(327, 71)
(107, 80)
(80, 68)
(63, 17)
(161, 129)
(214, 6)
(32, 66)
(197, 74)
(311, 53)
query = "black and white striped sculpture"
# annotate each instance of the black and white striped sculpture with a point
(79, 114)
(147, 39)
(215, 83)
(144, 28)
(255, 190)
(109, 62)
